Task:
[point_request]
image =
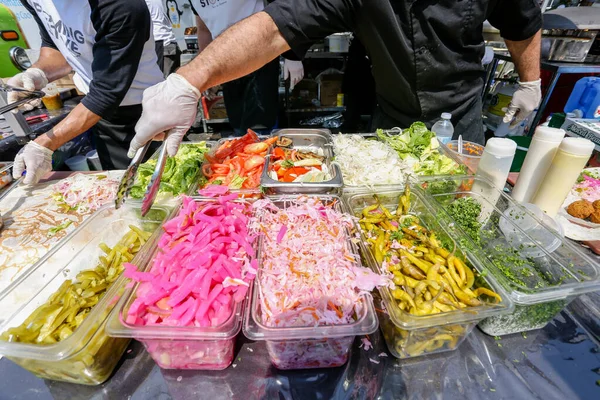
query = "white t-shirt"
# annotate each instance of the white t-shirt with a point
(218, 15)
(69, 27)
(161, 26)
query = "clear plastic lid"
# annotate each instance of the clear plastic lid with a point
(447, 116)
(529, 279)
(428, 217)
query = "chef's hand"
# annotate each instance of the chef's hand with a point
(169, 106)
(32, 79)
(36, 160)
(525, 99)
(293, 70)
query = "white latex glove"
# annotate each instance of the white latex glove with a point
(293, 70)
(168, 107)
(36, 160)
(525, 99)
(31, 79)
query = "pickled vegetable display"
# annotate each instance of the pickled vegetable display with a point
(437, 295)
(180, 174)
(67, 309)
(310, 276)
(198, 277)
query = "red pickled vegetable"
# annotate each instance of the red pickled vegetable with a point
(203, 267)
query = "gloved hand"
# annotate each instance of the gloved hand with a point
(525, 99)
(168, 107)
(31, 79)
(36, 160)
(293, 70)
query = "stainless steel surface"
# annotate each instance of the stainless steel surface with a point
(129, 175)
(305, 140)
(563, 48)
(154, 184)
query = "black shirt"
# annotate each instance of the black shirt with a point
(426, 54)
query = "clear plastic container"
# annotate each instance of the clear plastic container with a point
(174, 347)
(309, 346)
(540, 282)
(471, 154)
(89, 355)
(409, 335)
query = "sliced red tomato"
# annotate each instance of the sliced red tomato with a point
(253, 162)
(256, 148)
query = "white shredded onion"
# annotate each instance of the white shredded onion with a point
(368, 162)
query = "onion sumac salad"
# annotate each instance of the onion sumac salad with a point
(309, 275)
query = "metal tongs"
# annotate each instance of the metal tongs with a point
(31, 95)
(131, 172)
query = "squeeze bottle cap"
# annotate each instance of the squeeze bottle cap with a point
(501, 147)
(577, 146)
(548, 134)
(446, 116)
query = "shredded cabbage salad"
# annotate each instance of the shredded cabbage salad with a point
(588, 186)
(368, 162)
(84, 193)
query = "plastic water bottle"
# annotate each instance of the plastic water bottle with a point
(443, 129)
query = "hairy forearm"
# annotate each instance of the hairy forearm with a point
(526, 56)
(53, 64)
(240, 50)
(78, 121)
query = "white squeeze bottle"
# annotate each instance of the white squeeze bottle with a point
(494, 167)
(543, 147)
(443, 129)
(571, 157)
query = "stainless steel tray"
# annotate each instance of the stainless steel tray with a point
(307, 139)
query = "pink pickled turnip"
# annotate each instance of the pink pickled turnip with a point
(201, 269)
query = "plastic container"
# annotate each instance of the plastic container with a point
(443, 128)
(541, 151)
(585, 98)
(302, 347)
(409, 335)
(515, 221)
(339, 42)
(174, 347)
(470, 156)
(94, 160)
(89, 355)
(77, 163)
(570, 159)
(540, 286)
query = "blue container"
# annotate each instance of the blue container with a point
(585, 97)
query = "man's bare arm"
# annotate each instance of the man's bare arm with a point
(204, 35)
(526, 56)
(53, 63)
(240, 50)
(78, 121)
